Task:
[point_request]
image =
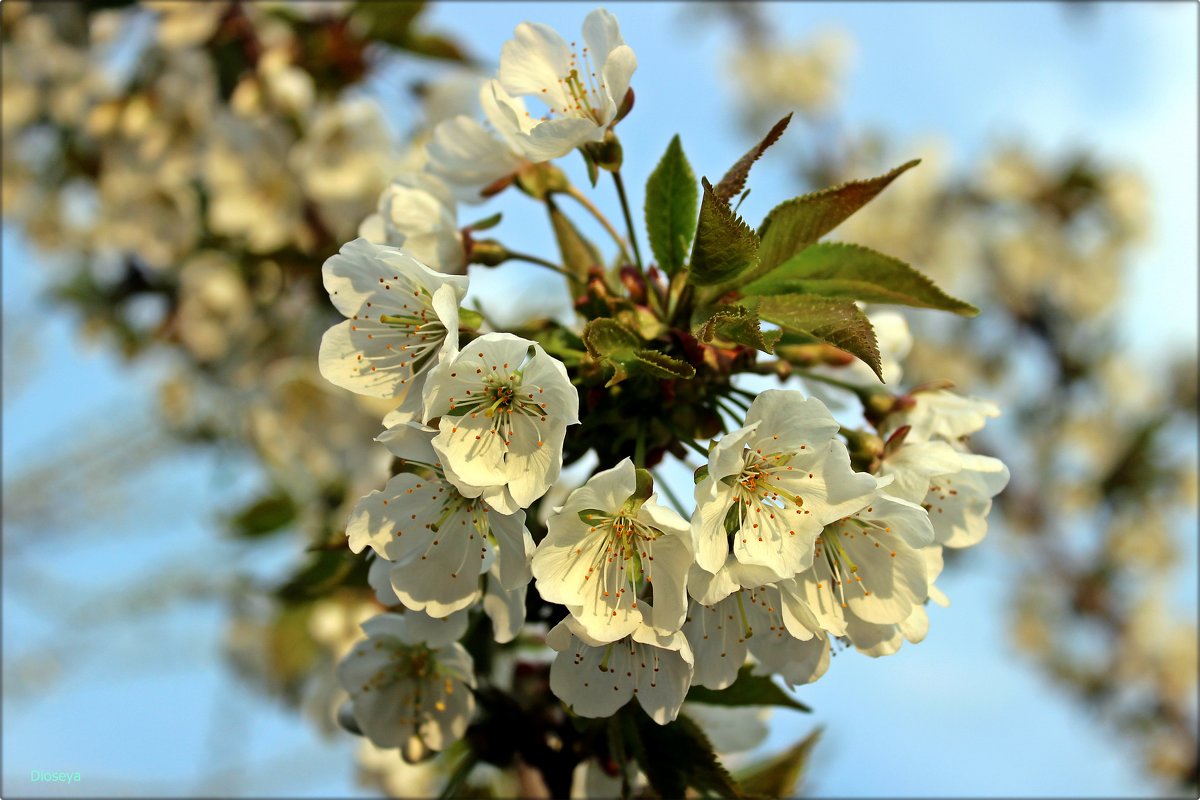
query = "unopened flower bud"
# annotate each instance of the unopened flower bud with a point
(541, 180)
(606, 154)
(865, 449)
(626, 106)
(488, 252)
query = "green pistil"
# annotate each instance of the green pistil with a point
(607, 655)
(402, 320)
(580, 93)
(834, 543)
(747, 631)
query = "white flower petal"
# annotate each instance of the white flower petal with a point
(535, 59)
(718, 641)
(797, 662)
(436, 631)
(505, 607)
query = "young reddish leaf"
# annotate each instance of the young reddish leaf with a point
(735, 179)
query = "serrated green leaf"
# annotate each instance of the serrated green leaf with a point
(778, 776)
(578, 254)
(606, 337)
(725, 246)
(661, 365)
(839, 322)
(794, 225)
(676, 755)
(739, 324)
(834, 269)
(735, 179)
(671, 199)
(747, 690)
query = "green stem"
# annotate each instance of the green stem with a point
(690, 443)
(637, 255)
(541, 262)
(733, 411)
(744, 393)
(737, 400)
(849, 387)
(584, 201)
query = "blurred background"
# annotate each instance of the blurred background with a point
(176, 589)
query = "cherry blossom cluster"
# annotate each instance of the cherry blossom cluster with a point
(802, 535)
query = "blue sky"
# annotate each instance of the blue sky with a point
(960, 714)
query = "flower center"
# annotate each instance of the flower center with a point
(843, 572)
(624, 557)
(757, 489)
(583, 92)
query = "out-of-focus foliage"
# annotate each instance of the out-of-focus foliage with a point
(184, 169)
(1103, 492)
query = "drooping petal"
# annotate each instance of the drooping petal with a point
(663, 665)
(436, 631)
(959, 504)
(718, 641)
(797, 662)
(505, 607)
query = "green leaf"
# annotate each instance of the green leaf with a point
(747, 690)
(833, 269)
(839, 322)
(265, 515)
(593, 171)
(671, 199)
(675, 756)
(661, 365)
(738, 324)
(735, 179)
(578, 254)
(606, 337)
(725, 246)
(614, 344)
(486, 223)
(779, 775)
(394, 24)
(794, 225)
(468, 319)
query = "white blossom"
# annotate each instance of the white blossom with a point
(868, 566)
(597, 678)
(722, 633)
(959, 503)
(503, 406)
(929, 464)
(942, 414)
(606, 550)
(774, 484)
(468, 157)
(406, 692)
(417, 212)
(437, 541)
(875, 639)
(402, 317)
(583, 92)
